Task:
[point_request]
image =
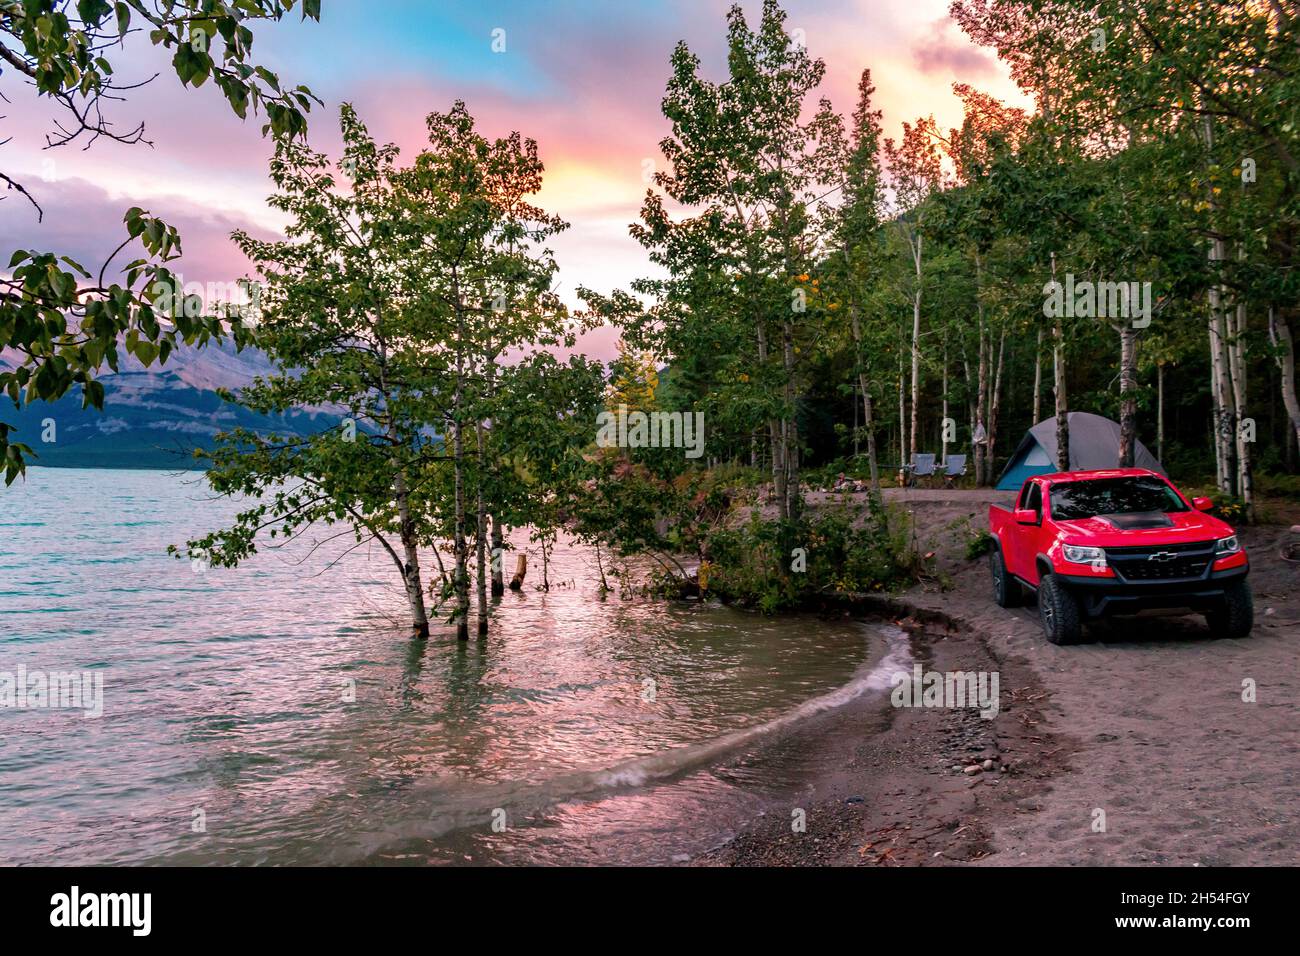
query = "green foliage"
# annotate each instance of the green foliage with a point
(390, 303)
(783, 565)
(980, 544)
(1231, 509)
(62, 323)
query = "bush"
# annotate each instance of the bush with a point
(980, 544)
(1285, 486)
(779, 565)
(1230, 509)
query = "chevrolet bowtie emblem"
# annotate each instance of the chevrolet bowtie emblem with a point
(1162, 556)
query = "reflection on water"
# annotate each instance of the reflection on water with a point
(285, 713)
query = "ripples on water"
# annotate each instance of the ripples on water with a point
(225, 692)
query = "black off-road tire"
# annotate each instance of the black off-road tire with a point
(1059, 612)
(1237, 615)
(1006, 589)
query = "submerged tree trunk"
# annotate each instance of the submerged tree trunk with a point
(498, 558)
(600, 569)
(412, 582)
(521, 571)
(411, 560)
(480, 537)
(458, 455)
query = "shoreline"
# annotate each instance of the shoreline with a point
(884, 791)
(1142, 732)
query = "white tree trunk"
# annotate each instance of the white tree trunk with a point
(943, 434)
(1279, 333)
(1038, 378)
(916, 343)
(1237, 347)
(1062, 400)
(1127, 396)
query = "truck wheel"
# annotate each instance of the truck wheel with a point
(1006, 589)
(1058, 611)
(1237, 615)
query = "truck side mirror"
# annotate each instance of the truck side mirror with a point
(1025, 516)
(1203, 504)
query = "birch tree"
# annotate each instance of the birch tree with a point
(346, 321)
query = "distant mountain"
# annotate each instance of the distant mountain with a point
(153, 417)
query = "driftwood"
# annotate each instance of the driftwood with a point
(521, 568)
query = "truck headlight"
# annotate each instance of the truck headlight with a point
(1076, 554)
(1228, 545)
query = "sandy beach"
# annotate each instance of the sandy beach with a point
(1135, 749)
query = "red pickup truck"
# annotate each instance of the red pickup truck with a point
(1094, 543)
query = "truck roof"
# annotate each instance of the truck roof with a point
(1095, 473)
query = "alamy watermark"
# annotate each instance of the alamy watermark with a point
(636, 429)
(240, 299)
(1098, 300)
(946, 689)
(132, 911)
(53, 690)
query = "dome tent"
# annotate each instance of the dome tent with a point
(1094, 443)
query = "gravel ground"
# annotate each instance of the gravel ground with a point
(1137, 748)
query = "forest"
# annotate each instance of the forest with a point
(824, 295)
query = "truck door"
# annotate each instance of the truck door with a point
(1034, 543)
(1021, 559)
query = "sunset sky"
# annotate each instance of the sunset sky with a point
(582, 78)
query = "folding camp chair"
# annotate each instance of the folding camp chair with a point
(956, 467)
(922, 467)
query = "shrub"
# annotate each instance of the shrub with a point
(979, 544)
(778, 565)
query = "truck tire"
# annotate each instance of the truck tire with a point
(1237, 615)
(1059, 612)
(1006, 589)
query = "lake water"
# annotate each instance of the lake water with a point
(279, 713)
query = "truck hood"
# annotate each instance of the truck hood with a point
(1138, 530)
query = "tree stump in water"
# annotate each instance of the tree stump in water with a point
(521, 568)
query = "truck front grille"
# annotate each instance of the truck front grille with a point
(1172, 562)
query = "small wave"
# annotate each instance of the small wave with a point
(642, 770)
(459, 807)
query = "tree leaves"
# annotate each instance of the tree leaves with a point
(55, 318)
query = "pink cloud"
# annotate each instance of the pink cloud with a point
(82, 221)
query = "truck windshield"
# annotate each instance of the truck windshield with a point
(1112, 496)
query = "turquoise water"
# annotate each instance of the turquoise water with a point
(279, 713)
